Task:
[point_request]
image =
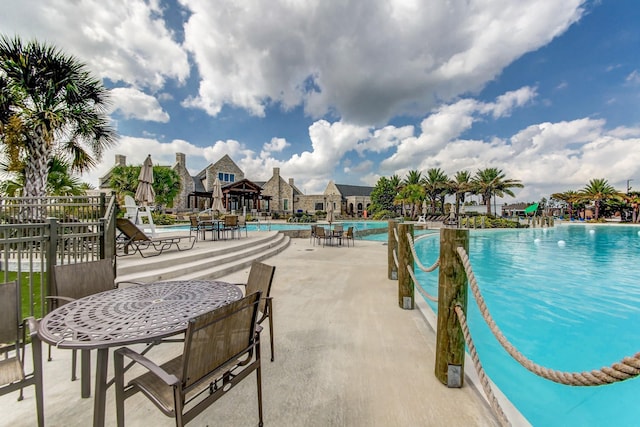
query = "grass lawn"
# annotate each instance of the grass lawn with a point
(38, 281)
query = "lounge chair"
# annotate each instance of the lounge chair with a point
(133, 237)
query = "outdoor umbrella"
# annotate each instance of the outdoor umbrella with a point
(330, 213)
(424, 207)
(216, 196)
(144, 193)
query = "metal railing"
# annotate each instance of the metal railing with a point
(36, 234)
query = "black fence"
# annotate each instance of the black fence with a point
(36, 234)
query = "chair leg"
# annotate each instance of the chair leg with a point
(270, 311)
(259, 381)
(37, 373)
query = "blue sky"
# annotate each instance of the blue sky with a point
(548, 91)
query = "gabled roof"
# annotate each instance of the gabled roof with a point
(354, 190)
(198, 187)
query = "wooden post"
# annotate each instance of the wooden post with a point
(392, 246)
(452, 290)
(405, 258)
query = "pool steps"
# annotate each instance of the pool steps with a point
(207, 260)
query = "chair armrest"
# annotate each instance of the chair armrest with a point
(130, 282)
(32, 323)
(67, 299)
(167, 378)
(241, 284)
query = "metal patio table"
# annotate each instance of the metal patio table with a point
(136, 314)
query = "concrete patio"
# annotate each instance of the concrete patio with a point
(345, 355)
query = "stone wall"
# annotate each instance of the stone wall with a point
(187, 185)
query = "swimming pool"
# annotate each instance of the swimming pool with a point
(264, 226)
(572, 307)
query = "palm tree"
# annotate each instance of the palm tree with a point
(411, 194)
(50, 104)
(460, 185)
(395, 183)
(59, 181)
(491, 182)
(436, 185)
(570, 197)
(599, 190)
(413, 178)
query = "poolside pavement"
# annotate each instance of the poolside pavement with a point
(345, 355)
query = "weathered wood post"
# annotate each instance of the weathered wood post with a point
(452, 290)
(405, 258)
(392, 245)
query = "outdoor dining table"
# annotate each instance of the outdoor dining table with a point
(213, 225)
(143, 313)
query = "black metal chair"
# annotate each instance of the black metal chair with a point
(221, 348)
(12, 349)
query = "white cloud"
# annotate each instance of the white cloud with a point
(364, 62)
(122, 40)
(276, 145)
(132, 103)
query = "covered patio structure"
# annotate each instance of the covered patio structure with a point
(245, 196)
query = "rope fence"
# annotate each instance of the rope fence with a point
(628, 367)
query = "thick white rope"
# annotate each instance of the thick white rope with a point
(628, 367)
(484, 380)
(417, 259)
(419, 287)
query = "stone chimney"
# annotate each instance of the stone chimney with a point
(121, 160)
(276, 172)
(181, 159)
(291, 182)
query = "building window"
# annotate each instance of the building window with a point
(226, 177)
(220, 176)
(285, 204)
(319, 206)
(232, 177)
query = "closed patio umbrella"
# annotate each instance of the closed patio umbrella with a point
(330, 212)
(216, 196)
(145, 194)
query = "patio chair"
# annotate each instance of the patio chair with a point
(230, 224)
(12, 349)
(194, 225)
(133, 237)
(349, 236)
(73, 281)
(242, 224)
(321, 235)
(221, 348)
(312, 236)
(260, 279)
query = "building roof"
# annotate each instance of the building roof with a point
(198, 186)
(354, 190)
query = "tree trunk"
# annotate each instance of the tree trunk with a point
(35, 176)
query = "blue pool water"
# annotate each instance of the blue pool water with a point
(572, 307)
(255, 226)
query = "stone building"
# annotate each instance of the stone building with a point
(274, 195)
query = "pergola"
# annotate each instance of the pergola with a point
(245, 195)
